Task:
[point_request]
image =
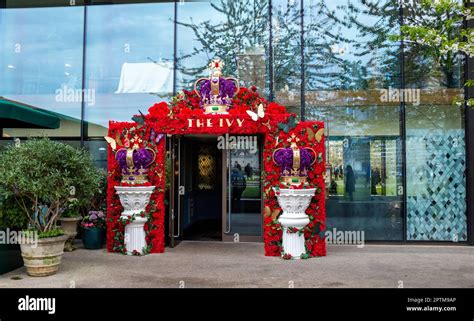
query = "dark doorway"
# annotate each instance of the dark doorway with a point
(201, 188)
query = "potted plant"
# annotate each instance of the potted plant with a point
(11, 221)
(39, 174)
(99, 204)
(93, 230)
(70, 216)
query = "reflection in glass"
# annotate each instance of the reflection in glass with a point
(286, 28)
(436, 179)
(129, 60)
(41, 64)
(349, 61)
(235, 31)
(245, 216)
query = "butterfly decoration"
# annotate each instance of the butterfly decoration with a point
(318, 135)
(118, 140)
(112, 142)
(322, 234)
(289, 125)
(267, 192)
(256, 115)
(267, 124)
(268, 212)
(140, 119)
(154, 137)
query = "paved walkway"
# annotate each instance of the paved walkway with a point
(216, 264)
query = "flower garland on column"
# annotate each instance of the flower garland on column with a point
(314, 232)
(154, 227)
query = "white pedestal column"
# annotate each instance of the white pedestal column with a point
(134, 200)
(294, 203)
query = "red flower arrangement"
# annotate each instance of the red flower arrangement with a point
(159, 109)
(275, 126)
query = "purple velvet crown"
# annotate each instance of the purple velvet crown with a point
(134, 164)
(284, 159)
(216, 92)
(227, 90)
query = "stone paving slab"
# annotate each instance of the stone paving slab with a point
(217, 264)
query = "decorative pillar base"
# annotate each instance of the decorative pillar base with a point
(135, 236)
(294, 203)
(134, 200)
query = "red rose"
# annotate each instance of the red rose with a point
(186, 112)
(198, 112)
(159, 110)
(274, 108)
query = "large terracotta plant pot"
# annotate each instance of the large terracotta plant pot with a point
(69, 225)
(43, 258)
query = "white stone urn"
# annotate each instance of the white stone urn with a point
(294, 203)
(134, 200)
(69, 226)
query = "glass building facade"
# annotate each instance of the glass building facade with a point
(397, 148)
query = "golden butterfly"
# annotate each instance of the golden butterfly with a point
(274, 214)
(312, 135)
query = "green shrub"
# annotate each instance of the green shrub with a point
(11, 215)
(72, 208)
(43, 235)
(42, 176)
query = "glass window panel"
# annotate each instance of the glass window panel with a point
(350, 67)
(235, 31)
(286, 28)
(436, 181)
(40, 3)
(41, 64)
(129, 62)
(98, 151)
(244, 191)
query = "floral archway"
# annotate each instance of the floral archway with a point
(250, 114)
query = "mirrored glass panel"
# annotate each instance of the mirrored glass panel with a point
(235, 31)
(41, 69)
(129, 62)
(351, 68)
(244, 217)
(436, 160)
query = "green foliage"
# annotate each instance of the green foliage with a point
(11, 215)
(441, 37)
(71, 208)
(240, 29)
(99, 200)
(43, 235)
(52, 233)
(42, 175)
(289, 125)
(140, 119)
